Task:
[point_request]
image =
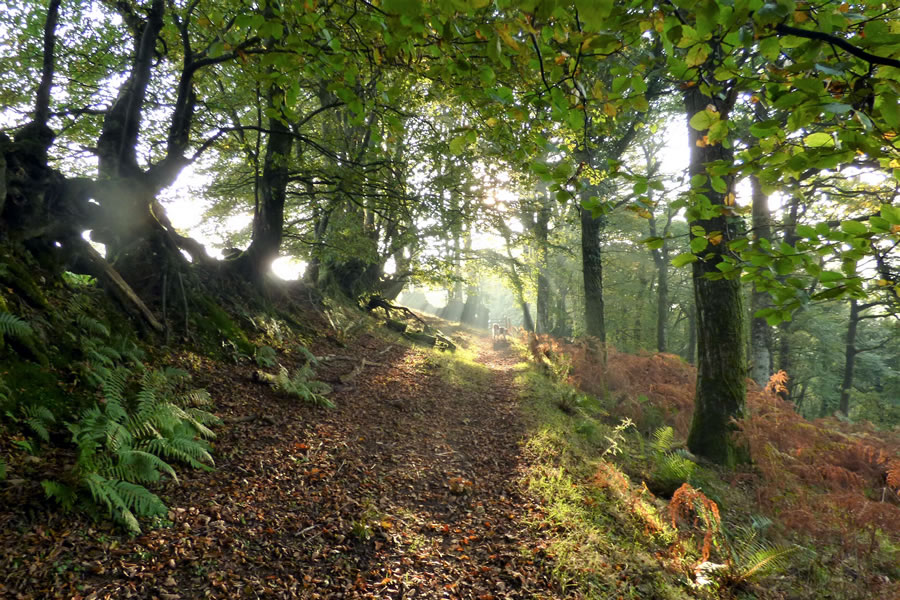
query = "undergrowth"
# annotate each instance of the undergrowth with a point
(819, 507)
(130, 438)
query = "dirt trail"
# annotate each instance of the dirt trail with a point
(409, 488)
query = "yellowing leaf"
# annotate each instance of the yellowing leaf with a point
(503, 32)
(697, 55)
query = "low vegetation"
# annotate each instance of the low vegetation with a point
(819, 501)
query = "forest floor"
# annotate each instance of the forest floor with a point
(410, 487)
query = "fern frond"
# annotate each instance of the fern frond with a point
(176, 376)
(114, 385)
(265, 356)
(198, 397)
(184, 450)
(123, 500)
(140, 466)
(60, 492)
(91, 325)
(892, 477)
(663, 439)
(761, 558)
(38, 418)
(309, 356)
(13, 326)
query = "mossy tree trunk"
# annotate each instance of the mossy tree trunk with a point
(760, 331)
(592, 272)
(721, 366)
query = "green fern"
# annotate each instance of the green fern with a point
(303, 386)
(670, 468)
(662, 440)
(265, 356)
(60, 492)
(38, 418)
(131, 438)
(308, 356)
(123, 499)
(13, 326)
(91, 326)
(750, 557)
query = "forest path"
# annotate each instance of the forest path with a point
(410, 487)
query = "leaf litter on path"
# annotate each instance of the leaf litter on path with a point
(408, 489)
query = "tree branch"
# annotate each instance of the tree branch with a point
(874, 59)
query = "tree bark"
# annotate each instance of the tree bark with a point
(850, 352)
(692, 334)
(721, 366)
(785, 362)
(542, 233)
(117, 146)
(661, 260)
(592, 272)
(760, 332)
(268, 218)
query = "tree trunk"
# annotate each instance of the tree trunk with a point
(661, 260)
(785, 362)
(721, 366)
(470, 309)
(760, 332)
(561, 325)
(692, 334)
(850, 353)
(268, 219)
(541, 235)
(527, 321)
(592, 272)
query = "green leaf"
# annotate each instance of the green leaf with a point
(487, 76)
(829, 276)
(770, 48)
(594, 13)
(684, 259)
(718, 184)
(458, 145)
(806, 231)
(699, 244)
(704, 119)
(854, 227)
(784, 266)
(818, 140)
(764, 129)
(654, 243)
(739, 244)
(879, 224)
(891, 213)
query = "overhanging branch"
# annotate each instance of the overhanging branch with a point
(874, 59)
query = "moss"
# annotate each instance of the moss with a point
(216, 326)
(19, 277)
(33, 384)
